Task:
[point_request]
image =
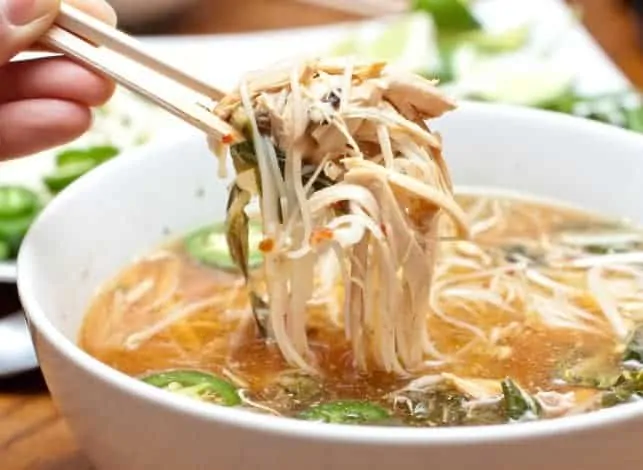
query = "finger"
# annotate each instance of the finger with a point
(23, 22)
(53, 78)
(30, 126)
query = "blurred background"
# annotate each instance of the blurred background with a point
(617, 25)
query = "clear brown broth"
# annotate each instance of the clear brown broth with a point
(223, 343)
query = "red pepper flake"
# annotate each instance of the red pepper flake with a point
(321, 235)
(266, 245)
(341, 206)
(227, 139)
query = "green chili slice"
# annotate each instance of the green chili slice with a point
(98, 155)
(5, 251)
(209, 246)
(16, 201)
(195, 384)
(13, 230)
(64, 175)
(346, 412)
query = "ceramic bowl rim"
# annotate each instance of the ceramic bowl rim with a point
(291, 428)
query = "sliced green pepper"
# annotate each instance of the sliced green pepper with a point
(64, 175)
(209, 246)
(74, 163)
(345, 412)
(16, 201)
(196, 384)
(5, 251)
(13, 230)
(98, 155)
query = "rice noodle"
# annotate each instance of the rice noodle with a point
(385, 237)
(354, 191)
(253, 404)
(607, 302)
(180, 313)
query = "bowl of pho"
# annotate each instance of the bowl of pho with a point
(369, 275)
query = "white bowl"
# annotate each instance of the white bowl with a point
(127, 207)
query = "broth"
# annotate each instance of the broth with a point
(518, 327)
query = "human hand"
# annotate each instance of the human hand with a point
(43, 102)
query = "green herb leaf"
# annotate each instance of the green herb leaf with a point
(237, 238)
(260, 311)
(612, 108)
(450, 16)
(628, 385)
(439, 406)
(292, 389)
(236, 227)
(243, 156)
(634, 348)
(518, 403)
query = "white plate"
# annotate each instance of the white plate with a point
(222, 59)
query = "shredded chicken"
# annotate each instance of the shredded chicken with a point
(347, 165)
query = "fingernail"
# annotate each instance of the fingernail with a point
(22, 12)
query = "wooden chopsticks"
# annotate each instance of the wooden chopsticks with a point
(121, 57)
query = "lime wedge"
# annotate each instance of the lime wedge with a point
(405, 42)
(518, 82)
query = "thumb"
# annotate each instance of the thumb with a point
(22, 22)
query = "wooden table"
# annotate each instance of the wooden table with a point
(32, 434)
